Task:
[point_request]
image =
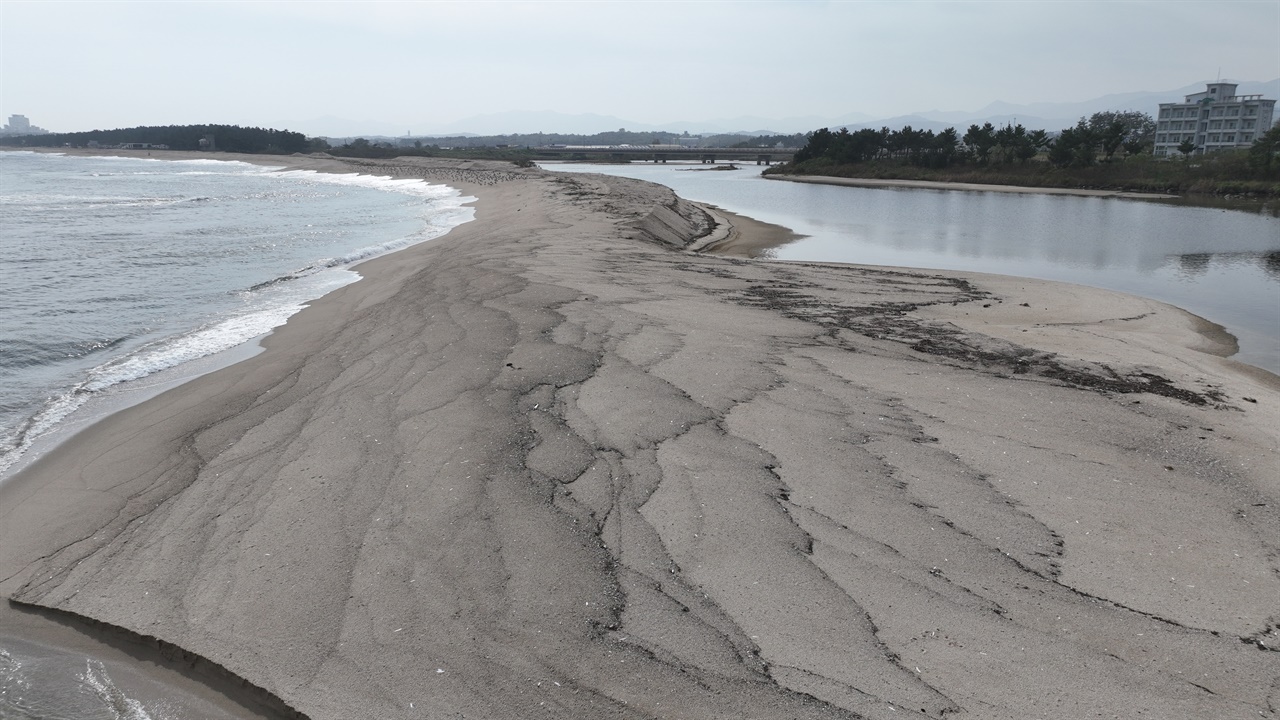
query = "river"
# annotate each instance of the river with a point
(1221, 264)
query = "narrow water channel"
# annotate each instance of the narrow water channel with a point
(1221, 264)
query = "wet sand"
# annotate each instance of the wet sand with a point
(555, 464)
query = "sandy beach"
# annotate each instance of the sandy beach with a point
(557, 464)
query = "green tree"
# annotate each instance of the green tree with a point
(1264, 154)
(946, 146)
(1186, 147)
(1014, 143)
(1112, 137)
(1075, 146)
(981, 140)
(1131, 129)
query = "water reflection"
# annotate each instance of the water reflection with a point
(1193, 264)
(1217, 262)
(1239, 203)
(1271, 264)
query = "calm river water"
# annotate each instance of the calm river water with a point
(1223, 265)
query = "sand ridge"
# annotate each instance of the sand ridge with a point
(554, 464)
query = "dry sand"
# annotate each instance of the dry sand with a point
(553, 465)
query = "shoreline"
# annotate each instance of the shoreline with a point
(130, 393)
(546, 445)
(972, 187)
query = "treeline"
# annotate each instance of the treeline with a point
(229, 138)
(1103, 133)
(1106, 151)
(364, 148)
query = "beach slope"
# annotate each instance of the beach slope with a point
(552, 464)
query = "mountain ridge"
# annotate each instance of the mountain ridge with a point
(1050, 116)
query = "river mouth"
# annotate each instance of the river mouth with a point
(1218, 258)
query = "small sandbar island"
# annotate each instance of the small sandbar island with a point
(556, 464)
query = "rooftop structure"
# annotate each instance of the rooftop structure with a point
(1216, 119)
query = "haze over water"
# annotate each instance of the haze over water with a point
(1223, 265)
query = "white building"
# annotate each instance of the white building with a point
(20, 125)
(1216, 119)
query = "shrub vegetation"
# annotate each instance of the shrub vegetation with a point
(1106, 151)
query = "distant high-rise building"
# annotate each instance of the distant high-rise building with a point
(1216, 119)
(20, 125)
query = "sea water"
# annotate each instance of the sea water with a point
(114, 269)
(117, 271)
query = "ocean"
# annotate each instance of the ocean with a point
(113, 270)
(122, 276)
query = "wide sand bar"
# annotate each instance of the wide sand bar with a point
(555, 465)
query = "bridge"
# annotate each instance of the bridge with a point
(662, 153)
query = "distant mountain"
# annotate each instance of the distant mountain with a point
(520, 121)
(589, 124)
(337, 127)
(1051, 116)
(1058, 115)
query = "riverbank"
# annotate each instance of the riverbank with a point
(553, 462)
(975, 187)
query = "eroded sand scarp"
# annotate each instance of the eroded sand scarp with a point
(551, 464)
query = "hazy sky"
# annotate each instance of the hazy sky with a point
(420, 65)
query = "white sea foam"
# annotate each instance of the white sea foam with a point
(169, 353)
(261, 308)
(407, 186)
(113, 699)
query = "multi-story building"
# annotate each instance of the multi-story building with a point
(1216, 119)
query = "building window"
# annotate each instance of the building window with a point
(1213, 138)
(1215, 125)
(1251, 110)
(1233, 111)
(1231, 125)
(1159, 138)
(1246, 124)
(1246, 137)
(1230, 137)
(1217, 112)
(1177, 113)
